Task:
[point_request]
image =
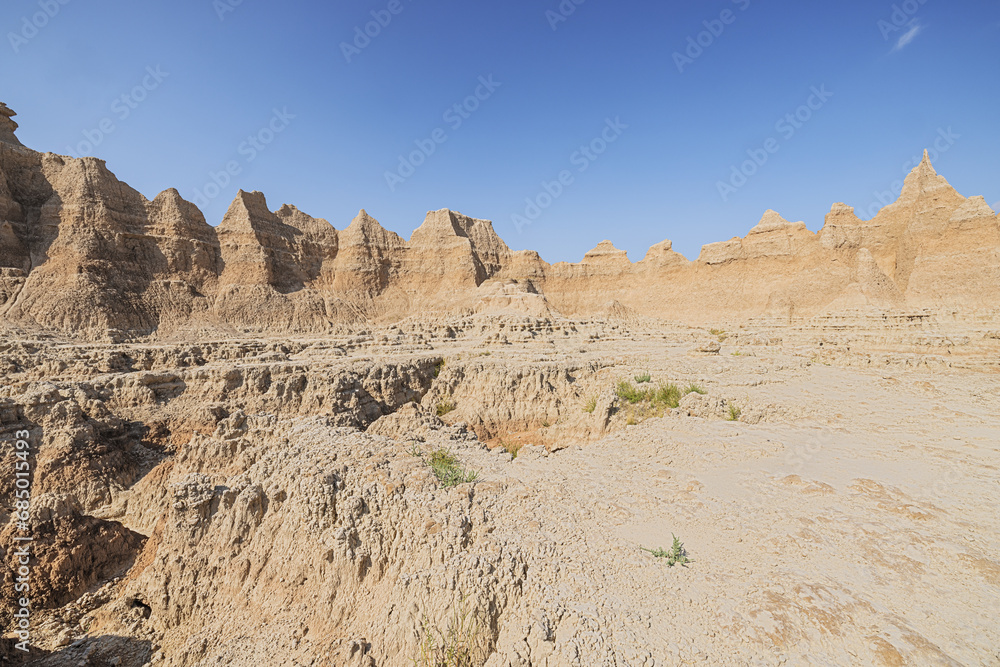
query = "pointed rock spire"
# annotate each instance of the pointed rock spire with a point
(923, 181)
(365, 229)
(7, 126)
(772, 221)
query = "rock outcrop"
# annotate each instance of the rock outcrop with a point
(7, 125)
(82, 253)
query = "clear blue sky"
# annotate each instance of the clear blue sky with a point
(897, 86)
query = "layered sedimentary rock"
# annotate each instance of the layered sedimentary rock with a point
(449, 256)
(83, 253)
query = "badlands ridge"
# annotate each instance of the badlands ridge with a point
(234, 430)
(83, 253)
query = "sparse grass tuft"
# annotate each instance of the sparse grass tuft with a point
(464, 643)
(667, 395)
(734, 413)
(694, 389)
(643, 378)
(438, 367)
(446, 468)
(512, 448)
(676, 555)
(445, 406)
(546, 423)
(590, 405)
(650, 401)
(629, 393)
(719, 333)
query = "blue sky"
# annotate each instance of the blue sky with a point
(641, 109)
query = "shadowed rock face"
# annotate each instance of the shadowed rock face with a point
(81, 252)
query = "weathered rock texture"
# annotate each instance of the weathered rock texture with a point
(269, 502)
(279, 499)
(82, 253)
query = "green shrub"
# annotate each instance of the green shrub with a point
(734, 413)
(438, 366)
(446, 468)
(590, 405)
(444, 407)
(694, 389)
(643, 378)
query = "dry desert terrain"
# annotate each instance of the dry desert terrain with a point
(273, 442)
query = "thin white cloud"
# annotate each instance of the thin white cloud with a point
(908, 36)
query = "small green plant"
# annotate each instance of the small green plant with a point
(737, 353)
(512, 448)
(643, 378)
(734, 413)
(590, 405)
(694, 389)
(676, 555)
(464, 643)
(446, 468)
(438, 367)
(445, 406)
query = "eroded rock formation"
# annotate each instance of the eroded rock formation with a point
(83, 253)
(479, 448)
